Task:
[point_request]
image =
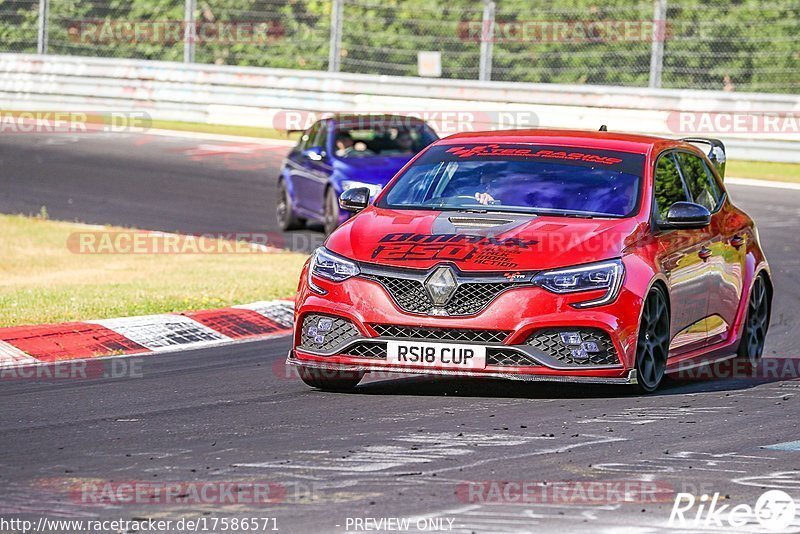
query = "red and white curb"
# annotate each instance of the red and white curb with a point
(31, 345)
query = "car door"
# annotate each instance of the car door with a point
(298, 164)
(726, 263)
(681, 259)
(319, 171)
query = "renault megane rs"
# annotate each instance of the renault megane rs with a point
(538, 255)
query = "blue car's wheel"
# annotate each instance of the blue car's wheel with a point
(285, 211)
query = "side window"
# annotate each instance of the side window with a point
(668, 186)
(699, 180)
(307, 137)
(321, 139)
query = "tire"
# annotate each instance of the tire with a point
(330, 380)
(652, 347)
(754, 333)
(284, 210)
(331, 219)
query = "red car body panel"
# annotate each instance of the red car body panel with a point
(721, 283)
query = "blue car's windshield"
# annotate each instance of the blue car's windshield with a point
(521, 178)
(381, 136)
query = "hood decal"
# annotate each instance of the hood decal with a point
(451, 247)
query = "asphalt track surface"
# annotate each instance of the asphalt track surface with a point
(393, 448)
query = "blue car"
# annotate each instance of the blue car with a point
(339, 153)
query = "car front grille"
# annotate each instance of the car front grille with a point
(367, 349)
(468, 299)
(472, 297)
(410, 295)
(508, 357)
(494, 355)
(551, 342)
(441, 334)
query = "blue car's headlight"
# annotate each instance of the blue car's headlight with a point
(607, 275)
(374, 189)
(330, 266)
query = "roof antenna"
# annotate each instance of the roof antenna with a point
(603, 128)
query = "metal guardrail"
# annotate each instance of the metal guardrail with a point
(249, 96)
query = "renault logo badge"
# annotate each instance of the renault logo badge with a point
(441, 285)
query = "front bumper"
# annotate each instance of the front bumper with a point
(518, 313)
(629, 378)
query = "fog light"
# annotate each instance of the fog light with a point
(590, 346)
(319, 339)
(571, 338)
(324, 325)
(579, 354)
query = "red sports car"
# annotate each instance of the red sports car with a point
(538, 255)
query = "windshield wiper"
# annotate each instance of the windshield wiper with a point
(570, 214)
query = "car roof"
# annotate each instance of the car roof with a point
(578, 138)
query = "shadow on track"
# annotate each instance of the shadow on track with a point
(493, 388)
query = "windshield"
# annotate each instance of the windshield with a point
(376, 137)
(521, 178)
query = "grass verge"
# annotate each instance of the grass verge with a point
(221, 129)
(764, 170)
(42, 281)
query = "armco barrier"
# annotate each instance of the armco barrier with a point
(250, 96)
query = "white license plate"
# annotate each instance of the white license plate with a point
(440, 355)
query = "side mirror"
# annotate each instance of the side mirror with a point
(314, 153)
(354, 200)
(687, 216)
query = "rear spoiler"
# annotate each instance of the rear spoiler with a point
(716, 152)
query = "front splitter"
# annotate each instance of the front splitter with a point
(630, 379)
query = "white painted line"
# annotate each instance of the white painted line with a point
(749, 182)
(787, 446)
(157, 332)
(11, 355)
(280, 311)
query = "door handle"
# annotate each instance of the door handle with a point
(705, 253)
(737, 241)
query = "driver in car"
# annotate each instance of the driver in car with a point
(344, 144)
(484, 197)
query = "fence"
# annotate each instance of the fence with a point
(250, 96)
(748, 45)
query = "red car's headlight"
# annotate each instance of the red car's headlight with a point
(607, 275)
(329, 266)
